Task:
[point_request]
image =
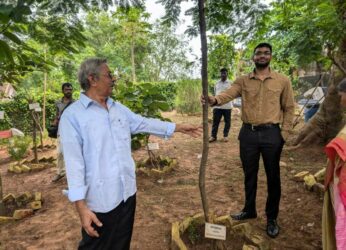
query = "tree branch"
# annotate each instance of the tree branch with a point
(335, 61)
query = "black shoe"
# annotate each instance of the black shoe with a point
(272, 228)
(243, 216)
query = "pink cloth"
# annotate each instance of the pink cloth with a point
(336, 176)
(337, 147)
(340, 222)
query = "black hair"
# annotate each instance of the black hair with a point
(224, 70)
(263, 45)
(342, 86)
(65, 84)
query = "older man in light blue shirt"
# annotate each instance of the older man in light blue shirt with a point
(96, 133)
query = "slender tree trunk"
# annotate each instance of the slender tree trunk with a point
(204, 73)
(34, 137)
(44, 92)
(133, 61)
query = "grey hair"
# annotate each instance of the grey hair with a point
(342, 86)
(90, 66)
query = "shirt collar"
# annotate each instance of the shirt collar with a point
(272, 74)
(86, 101)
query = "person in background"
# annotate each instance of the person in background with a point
(267, 101)
(334, 203)
(223, 110)
(96, 137)
(60, 105)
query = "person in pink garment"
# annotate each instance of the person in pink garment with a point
(334, 205)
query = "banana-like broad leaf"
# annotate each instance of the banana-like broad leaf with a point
(12, 37)
(5, 52)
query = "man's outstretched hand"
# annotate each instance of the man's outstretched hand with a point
(192, 130)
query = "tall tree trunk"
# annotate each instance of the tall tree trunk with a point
(327, 122)
(204, 73)
(133, 65)
(44, 92)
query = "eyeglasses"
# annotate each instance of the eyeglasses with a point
(109, 75)
(265, 53)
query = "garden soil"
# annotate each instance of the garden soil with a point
(162, 200)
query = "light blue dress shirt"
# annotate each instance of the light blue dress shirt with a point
(97, 151)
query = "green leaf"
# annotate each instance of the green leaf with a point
(5, 9)
(147, 101)
(163, 106)
(5, 52)
(12, 37)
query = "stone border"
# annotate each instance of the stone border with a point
(34, 200)
(154, 172)
(252, 240)
(26, 166)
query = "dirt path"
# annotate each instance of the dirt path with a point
(163, 200)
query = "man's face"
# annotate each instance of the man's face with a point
(343, 99)
(67, 91)
(262, 57)
(223, 75)
(105, 81)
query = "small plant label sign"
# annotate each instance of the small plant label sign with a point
(34, 105)
(153, 146)
(38, 109)
(214, 231)
(2, 114)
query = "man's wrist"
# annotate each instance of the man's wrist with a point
(215, 102)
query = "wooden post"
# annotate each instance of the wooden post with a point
(34, 136)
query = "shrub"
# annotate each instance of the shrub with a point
(188, 96)
(17, 113)
(18, 146)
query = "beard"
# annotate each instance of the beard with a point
(68, 95)
(262, 65)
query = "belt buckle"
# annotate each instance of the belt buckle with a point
(253, 127)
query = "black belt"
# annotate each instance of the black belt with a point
(260, 126)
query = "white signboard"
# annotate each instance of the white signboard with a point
(2, 114)
(153, 146)
(34, 105)
(38, 109)
(214, 231)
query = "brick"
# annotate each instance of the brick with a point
(38, 196)
(309, 181)
(8, 198)
(5, 219)
(300, 176)
(35, 205)
(22, 213)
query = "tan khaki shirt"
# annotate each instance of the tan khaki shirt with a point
(263, 102)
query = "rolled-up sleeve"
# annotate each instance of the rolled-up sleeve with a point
(140, 124)
(73, 156)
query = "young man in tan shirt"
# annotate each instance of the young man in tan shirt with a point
(267, 102)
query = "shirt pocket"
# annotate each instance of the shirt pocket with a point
(250, 97)
(121, 129)
(273, 94)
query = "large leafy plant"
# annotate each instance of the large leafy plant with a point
(146, 99)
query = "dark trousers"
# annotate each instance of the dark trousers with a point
(116, 232)
(267, 142)
(217, 115)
